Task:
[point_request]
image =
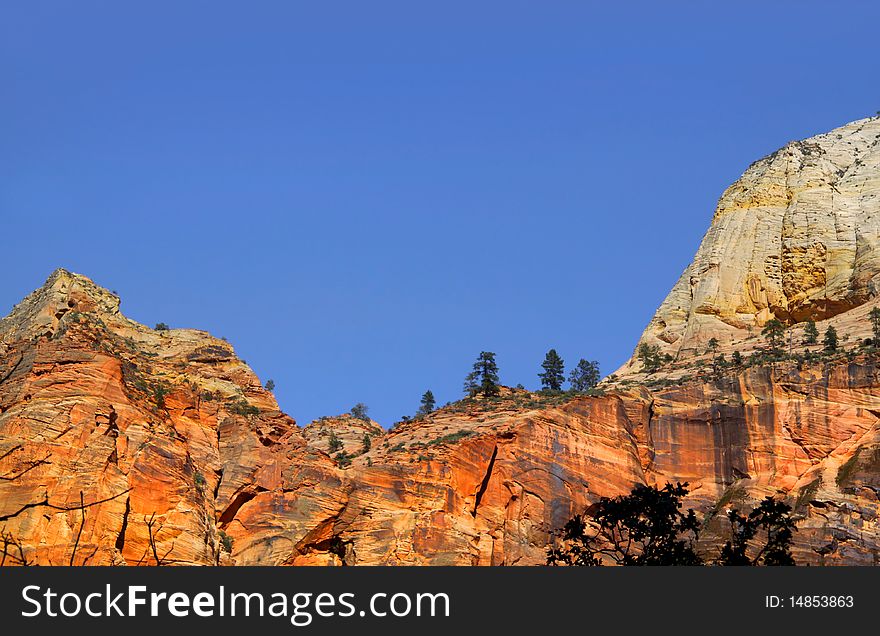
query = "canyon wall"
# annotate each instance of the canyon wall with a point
(125, 445)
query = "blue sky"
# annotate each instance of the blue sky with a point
(363, 196)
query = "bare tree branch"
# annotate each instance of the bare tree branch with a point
(31, 466)
(45, 502)
(82, 509)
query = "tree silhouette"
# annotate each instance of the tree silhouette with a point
(771, 517)
(646, 527)
(554, 372)
(471, 386)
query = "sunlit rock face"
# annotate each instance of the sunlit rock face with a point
(795, 238)
(125, 445)
(121, 444)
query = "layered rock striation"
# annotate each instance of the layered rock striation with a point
(124, 445)
(797, 237)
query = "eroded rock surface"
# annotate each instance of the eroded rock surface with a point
(795, 238)
(120, 444)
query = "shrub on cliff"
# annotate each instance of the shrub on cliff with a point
(334, 443)
(226, 542)
(554, 372)
(242, 407)
(650, 357)
(159, 393)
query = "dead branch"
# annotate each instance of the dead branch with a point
(82, 523)
(31, 466)
(10, 451)
(10, 541)
(45, 502)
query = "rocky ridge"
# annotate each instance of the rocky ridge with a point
(121, 444)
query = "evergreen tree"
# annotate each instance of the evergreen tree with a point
(830, 339)
(811, 334)
(875, 324)
(484, 377)
(359, 410)
(713, 345)
(335, 444)
(367, 444)
(428, 403)
(774, 332)
(650, 357)
(737, 359)
(719, 362)
(270, 385)
(585, 375)
(471, 386)
(554, 372)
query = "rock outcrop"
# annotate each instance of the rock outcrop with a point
(797, 237)
(121, 444)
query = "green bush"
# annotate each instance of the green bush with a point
(226, 541)
(451, 437)
(242, 407)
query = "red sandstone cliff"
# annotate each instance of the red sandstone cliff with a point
(177, 449)
(120, 444)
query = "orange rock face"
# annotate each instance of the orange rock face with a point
(124, 445)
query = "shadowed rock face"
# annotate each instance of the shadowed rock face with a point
(124, 445)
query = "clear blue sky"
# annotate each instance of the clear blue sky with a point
(363, 196)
